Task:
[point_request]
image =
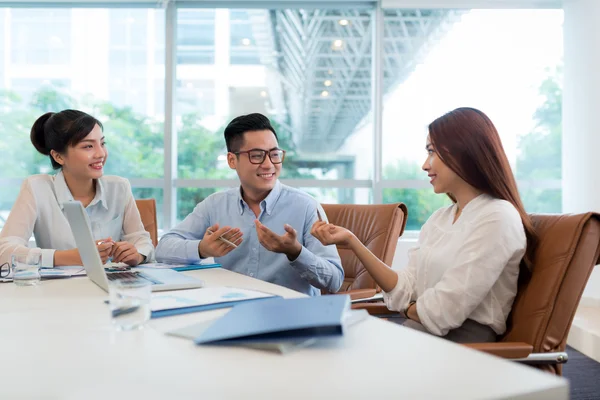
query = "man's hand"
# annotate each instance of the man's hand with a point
(287, 244)
(126, 252)
(211, 246)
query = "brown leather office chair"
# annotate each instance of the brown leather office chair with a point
(543, 311)
(542, 314)
(377, 226)
(147, 209)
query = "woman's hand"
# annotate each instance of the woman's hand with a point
(105, 249)
(331, 234)
(126, 252)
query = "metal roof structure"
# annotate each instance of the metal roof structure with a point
(320, 64)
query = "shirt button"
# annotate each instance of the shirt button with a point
(251, 273)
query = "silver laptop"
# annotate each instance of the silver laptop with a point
(165, 279)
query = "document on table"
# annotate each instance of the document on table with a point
(183, 301)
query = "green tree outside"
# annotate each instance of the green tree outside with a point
(421, 203)
(540, 155)
(135, 145)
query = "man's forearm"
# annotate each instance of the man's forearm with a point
(318, 271)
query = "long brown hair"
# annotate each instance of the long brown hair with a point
(467, 141)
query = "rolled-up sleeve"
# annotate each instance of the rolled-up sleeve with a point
(19, 226)
(320, 265)
(180, 245)
(405, 290)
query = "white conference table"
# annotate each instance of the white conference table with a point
(56, 342)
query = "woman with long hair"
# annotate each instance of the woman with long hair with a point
(461, 278)
(74, 141)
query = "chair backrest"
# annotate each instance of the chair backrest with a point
(377, 226)
(147, 208)
(568, 249)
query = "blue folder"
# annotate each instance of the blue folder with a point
(192, 267)
(276, 319)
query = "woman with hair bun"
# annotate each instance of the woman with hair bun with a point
(74, 142)
(461, 279)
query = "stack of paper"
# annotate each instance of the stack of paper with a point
(187, 301)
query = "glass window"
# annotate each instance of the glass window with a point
(107, 68)
(8, 195)
(340, 195)
(195, 36)
(39, 37)
(152, 193)
(421, 203)
(188, 198)
(439, 60)
(318, 100)
(244, 48)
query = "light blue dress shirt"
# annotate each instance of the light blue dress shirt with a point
(317, 266)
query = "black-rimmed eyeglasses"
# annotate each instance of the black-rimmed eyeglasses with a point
(4, 270)
(258, 156)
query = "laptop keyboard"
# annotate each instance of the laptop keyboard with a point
(132, 276)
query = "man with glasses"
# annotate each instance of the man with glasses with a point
(262, 228)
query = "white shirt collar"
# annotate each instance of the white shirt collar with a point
(63, 193)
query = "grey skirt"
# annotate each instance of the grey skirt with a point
(469, 332)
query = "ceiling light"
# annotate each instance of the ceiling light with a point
(263, 93)
(324, 93)
(327, 83)
(343, 22)
(338, 43)
(246, 42)
(330, 72)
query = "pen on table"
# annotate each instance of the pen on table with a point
(222, 239)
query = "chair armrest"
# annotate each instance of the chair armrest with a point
(378, 309)
(357, 294)
(510, 350)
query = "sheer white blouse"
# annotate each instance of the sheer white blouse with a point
(38, 210)
(466, 269)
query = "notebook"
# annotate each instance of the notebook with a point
(279, 319)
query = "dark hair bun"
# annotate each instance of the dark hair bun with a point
(38, 137)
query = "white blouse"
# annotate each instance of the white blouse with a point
(38, 209)
(464, 270)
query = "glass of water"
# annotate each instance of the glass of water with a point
(26, 268)
(129, 303)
